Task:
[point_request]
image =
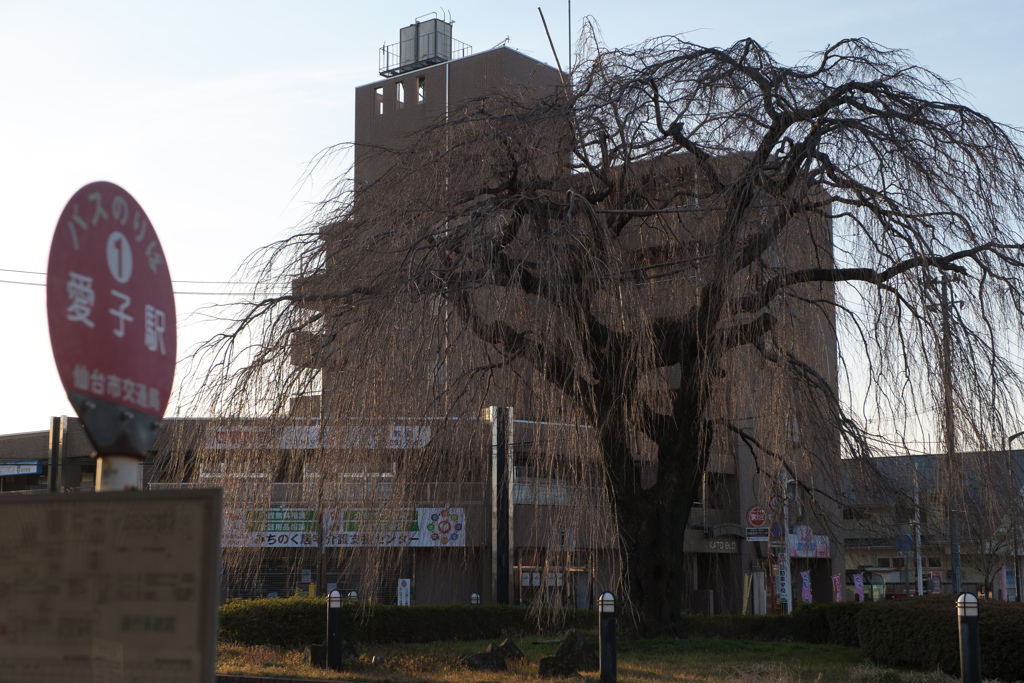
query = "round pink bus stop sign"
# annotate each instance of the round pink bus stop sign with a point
(112, 323)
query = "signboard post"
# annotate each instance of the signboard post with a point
(111, 315)
(784, 584)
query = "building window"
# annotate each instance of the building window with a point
(934, 561)
(882, 562)
(379, 100)
(399, 95)
(436, 372)
(420, 88)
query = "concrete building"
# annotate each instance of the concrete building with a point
(897, 524)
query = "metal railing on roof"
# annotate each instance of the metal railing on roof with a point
(416, 53)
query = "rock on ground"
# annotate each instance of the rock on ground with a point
(553, 667)
(576, 652)
(485, 661)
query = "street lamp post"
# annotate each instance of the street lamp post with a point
(970, 643)
(609, 647)
(334, 634)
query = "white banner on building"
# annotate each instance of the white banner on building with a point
(307, 437)
(347, 528)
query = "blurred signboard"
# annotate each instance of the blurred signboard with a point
(109, 587)
(13, 469)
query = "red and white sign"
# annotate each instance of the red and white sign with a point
(110, 303)
(756, 516)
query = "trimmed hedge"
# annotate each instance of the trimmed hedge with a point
(817, 623)
(739, 627)
(842, 623)
(916, 633)
(297, 622)
(922, 633)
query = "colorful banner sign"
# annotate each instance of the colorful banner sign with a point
(805, 591)
(804, 543)
(858, 585)
(351, 528)
(837, 588)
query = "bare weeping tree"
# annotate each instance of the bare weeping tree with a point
(686, 252)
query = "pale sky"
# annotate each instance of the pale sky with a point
(208, 112)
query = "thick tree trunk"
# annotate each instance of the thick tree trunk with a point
(651, 534)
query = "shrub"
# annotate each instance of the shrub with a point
(842, 623)
(827, 622)
(292, 622)
(739, 627)
(816, 623)
(922, 633)
(297, 622)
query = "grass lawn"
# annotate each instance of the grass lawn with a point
(642, 661)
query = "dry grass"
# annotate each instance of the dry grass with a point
(650, 661)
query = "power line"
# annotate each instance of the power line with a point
(26, 272)
(33, 284)
(184, 282)
(43, 284)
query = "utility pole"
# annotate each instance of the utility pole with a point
(785, 567)
(917, 530)
(955, 493)
(1015, 515)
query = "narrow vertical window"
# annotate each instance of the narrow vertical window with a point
(420, 88)
(399, 95)
(379, 100)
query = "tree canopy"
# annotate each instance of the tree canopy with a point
(685, 253)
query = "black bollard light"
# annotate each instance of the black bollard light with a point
(970, 643)
(334, 630)
(606, 606)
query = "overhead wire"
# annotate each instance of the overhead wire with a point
(184, 293)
